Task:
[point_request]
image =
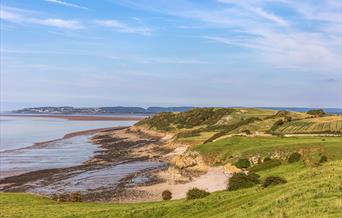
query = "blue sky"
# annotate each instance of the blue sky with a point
(171, 53)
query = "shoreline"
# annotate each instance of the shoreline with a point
(80, 117)
(77, 133)
(120, 146)
(113, 153)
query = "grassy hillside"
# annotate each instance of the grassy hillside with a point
(232, 148)
(310, 192)
(330, 124)
(203, 125)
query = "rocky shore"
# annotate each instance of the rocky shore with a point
(132, 165)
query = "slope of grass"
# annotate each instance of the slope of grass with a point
(231, 148)
(329, 124)
(310, 192)
(193, 126)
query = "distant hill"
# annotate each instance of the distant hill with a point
(99, 110)
(140, 110)
(210, 124)
(305, 109)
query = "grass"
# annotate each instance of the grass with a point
(231, 148)
(330, 124)
(310, 192)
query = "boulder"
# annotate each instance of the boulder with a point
(231, 169)
(182, 161)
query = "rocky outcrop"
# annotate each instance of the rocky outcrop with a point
(231, 169)
(144, 131)
(185, 166)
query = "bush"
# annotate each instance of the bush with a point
(166, 195)
(267, 159)
(196, 193)
(241, 180)
(294, 157)
(273, 180)
(275, 125)
(253, 175)
(318, 112)
(243, 163)
(246, 131)
(323, 159)
(265, 165)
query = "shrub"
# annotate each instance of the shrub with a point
(318, 112)
(253, 175)
(267, 159)
(265, 165)
(288, 119)
(273, 180)
(276, 124)
(323, 159)
(282, 113)
(246, 131)
(167, 121)
(196, 193)
(294, 157)
(241, 180)
(166, 195)
(243, 163)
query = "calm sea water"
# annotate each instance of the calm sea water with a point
(18, 134)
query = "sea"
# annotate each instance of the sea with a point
(18, 135)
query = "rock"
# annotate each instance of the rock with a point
(185, 166)
(254, 159)
(200, 167)
(231, 169)
(182, 161)
(176, 175)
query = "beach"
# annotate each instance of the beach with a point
(127, 165)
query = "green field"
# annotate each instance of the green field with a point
(331, 124)
(204, 125)
(310, 192)
(232, 148)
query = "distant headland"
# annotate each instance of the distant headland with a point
(140, 110)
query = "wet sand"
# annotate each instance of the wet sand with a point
(128, 167)
(103, 176)
(79, 133)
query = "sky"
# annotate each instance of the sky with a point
(171, 53)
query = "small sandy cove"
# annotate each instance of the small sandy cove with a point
(214, 180)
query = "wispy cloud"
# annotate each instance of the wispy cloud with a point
(67, 4)
(257, 10)
(304, 35)
(16, 15)
(123, 27)
(140, 59)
